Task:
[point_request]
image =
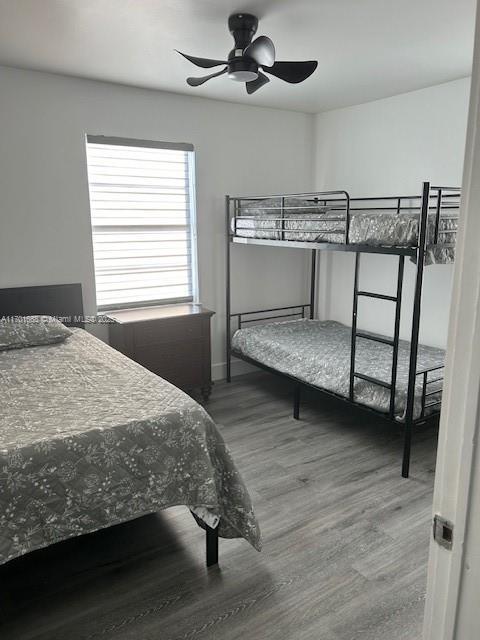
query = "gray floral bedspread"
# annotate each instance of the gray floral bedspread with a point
(89, 439)
(318, 352)
(261, 219)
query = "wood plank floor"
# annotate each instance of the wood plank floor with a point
(345, 542)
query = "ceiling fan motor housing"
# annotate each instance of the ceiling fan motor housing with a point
(243, 27)
(241, 68)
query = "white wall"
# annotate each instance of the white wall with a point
(389, 147)
(45, 232)
(383, 147)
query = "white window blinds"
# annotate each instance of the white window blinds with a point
(142, 209)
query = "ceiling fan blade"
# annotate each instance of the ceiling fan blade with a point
(292, 71)
(205, 63)
(196, 82)
(253, 85)
(262, 50)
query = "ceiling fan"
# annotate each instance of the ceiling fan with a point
(247, 60)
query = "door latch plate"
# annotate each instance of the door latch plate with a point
(443, 532)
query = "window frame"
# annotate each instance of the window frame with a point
(189, 149)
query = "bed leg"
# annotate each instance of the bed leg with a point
(211, 537)
(206, 392)
(407, 444)
(296, 403)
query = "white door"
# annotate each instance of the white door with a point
(453, 594)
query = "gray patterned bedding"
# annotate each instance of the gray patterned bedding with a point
(318, 352)
(89, 439)
(366, 227)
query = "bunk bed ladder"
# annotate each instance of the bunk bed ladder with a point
(392, 342)
(417, 303)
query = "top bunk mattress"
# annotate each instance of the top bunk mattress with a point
(261, 219)
(318, 352)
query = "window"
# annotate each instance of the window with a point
(143, 221)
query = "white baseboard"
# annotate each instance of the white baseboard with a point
(239, 367)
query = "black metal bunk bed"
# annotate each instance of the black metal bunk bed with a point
(421, 227)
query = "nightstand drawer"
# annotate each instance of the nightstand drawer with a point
(180, 363)
(166, 331)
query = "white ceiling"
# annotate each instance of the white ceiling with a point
(367, 49)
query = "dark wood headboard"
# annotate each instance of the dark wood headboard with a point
(63, 301)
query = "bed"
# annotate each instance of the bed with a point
(318, 353)
(303, 221)
(89, 439)
(399, 381)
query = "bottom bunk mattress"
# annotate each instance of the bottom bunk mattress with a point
(318, 352)
(89, 439)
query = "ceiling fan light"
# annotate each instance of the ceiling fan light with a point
(243, 76)
(242, 69)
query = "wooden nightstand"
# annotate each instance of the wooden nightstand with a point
(172, 341)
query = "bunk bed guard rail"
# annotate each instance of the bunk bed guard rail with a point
(325, 217)
(274, 213)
